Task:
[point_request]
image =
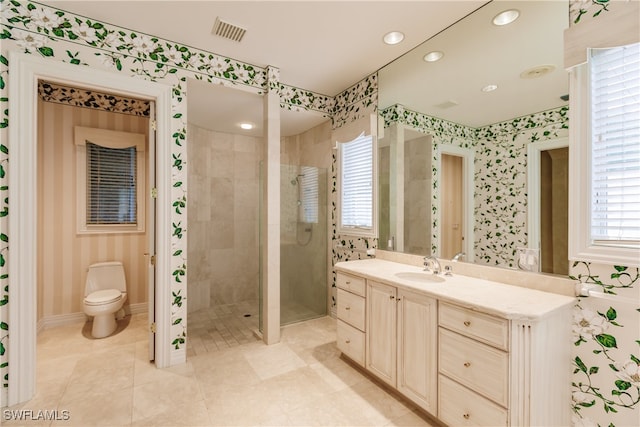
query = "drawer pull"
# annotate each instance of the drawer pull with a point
(347, 341)
(467, 323)
(348, 282)
(467, 364)
(466, 416)
(347, 308)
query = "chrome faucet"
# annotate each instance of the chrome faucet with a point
(457, 256)
(436, 264)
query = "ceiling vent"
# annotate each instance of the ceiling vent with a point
(228, 31)
(447, 104)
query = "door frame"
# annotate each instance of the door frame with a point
(534, 151)
(25, 71)
(468, 191)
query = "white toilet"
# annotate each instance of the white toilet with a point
(105, 292)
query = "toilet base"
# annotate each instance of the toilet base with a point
(103, 325)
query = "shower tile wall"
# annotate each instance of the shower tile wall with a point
(222, 217)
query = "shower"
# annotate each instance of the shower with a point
(303, 215)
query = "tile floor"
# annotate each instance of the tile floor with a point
(301, 381)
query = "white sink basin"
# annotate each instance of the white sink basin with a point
(416, 276)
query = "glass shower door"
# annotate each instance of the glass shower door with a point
(303, 243)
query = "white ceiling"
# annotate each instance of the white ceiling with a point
(478, 53)
(322, 46)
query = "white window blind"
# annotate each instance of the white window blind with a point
(357, 183)
(615, 145)
(111, 185)
(309, 194)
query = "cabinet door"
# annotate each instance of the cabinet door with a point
(417, 349)
(381, 331)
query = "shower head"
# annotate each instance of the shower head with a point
(295, 180)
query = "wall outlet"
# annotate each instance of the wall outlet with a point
(528, 259)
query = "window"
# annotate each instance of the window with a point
(309, 194)
(111, 182)
(615, 145)
(605, 202)
(357, 187)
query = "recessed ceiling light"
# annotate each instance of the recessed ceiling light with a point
(535, 72)
(393, 37)
(246, 126)
(489, 88)
(433, 56)
(506, 17)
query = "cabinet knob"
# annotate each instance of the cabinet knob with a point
(467, 323)
(348, 282)
(466, 416)
(348, 341)
(391, 297)
(467, 364)
(347, 308)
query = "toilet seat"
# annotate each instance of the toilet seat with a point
(104, 296)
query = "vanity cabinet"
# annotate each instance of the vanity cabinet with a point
(468, 351)
(401, 341)
(473, 362)
(351, 316)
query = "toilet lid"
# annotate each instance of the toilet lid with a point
(104, 296)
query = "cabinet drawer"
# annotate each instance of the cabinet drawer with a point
(459, 406)
(485, 328)
(478, 366)
(350, 342)
(351, 309)
(350, 283)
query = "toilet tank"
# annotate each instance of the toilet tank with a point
(105, 275)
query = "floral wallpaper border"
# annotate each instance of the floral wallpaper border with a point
(38, 29)
(60, 94)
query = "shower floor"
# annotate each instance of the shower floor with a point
(222, 326)
(229, 325)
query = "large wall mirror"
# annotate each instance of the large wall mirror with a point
(456, 135)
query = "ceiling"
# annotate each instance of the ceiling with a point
(478, 53)
(321, 46)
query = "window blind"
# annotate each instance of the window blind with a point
(111, 189)
(357, 183)
(615, 145)
(309, 194)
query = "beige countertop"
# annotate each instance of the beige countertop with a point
(507, 301)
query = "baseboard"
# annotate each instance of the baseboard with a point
(71, 318)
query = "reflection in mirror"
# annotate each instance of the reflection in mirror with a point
(443, 102)
(404, 184)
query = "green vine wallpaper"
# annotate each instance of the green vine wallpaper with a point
(36, 29)
(500, 193)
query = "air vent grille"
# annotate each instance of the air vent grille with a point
(228, 31)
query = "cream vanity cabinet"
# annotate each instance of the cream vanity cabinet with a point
(468, 351)
(401, 341)
(351, 316)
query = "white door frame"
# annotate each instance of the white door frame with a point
(533, 186)
(468, 190)
(25, 71)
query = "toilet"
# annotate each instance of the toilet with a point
(105, 292)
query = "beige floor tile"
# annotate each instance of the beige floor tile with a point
(301, 381)
(337, 373)
(98, 408)
(242, 405)
(414, 419)
(187, 414)
(323, 411)
(273, 360)
(296, 388)
(158, 396)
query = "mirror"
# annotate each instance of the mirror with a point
(453, 169)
